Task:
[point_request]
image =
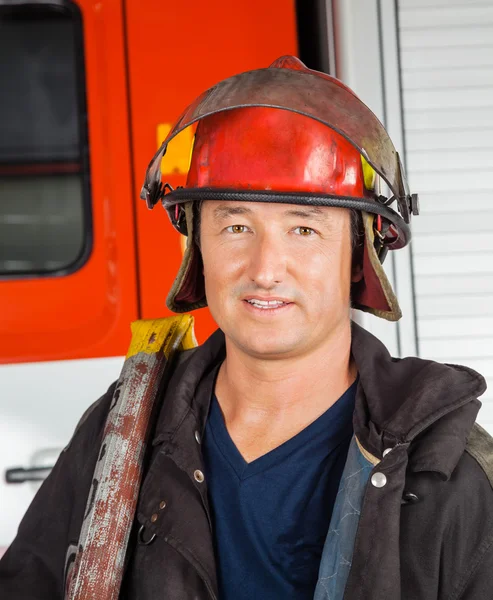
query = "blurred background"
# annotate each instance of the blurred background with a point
(89, 89)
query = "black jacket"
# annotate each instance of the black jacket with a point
(438, 547)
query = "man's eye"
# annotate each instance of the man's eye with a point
(305, 231)
(236, 228)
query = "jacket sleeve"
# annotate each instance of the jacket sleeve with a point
(33, 566)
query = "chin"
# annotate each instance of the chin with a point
(268, 343)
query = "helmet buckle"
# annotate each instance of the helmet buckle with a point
(408, 206)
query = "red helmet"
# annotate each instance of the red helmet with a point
(292, 135)
(265, 149)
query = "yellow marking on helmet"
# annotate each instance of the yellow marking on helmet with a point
(369, 174)
(178, 155)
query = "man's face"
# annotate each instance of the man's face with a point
(277, 276)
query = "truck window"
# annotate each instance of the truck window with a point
(45, 225)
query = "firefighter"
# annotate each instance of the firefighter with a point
(291, 456)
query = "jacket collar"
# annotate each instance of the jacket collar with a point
(190, 387)
(406, 400)
(398, 401)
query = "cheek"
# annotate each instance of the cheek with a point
(325, 272)
(222, 268)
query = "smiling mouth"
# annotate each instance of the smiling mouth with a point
(267, 304)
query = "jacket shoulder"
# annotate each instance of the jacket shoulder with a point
(470, 527)
(480, 447)
(95, 415)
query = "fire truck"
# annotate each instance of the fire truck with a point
(89, 89)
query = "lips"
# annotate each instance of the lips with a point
(267, 304)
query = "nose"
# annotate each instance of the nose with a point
(267, 265)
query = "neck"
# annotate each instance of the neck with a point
(265, 402)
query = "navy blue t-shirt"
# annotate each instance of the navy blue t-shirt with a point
(271, 516)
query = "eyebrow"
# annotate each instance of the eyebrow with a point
(223, 212)
(313, 212)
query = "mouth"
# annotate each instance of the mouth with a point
(267, 306)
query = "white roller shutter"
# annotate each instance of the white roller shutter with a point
(446, 53)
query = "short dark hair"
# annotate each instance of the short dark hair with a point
(357, 229)
(356, 226)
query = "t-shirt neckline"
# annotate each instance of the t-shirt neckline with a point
(337, 418)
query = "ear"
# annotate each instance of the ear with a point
(357, 272)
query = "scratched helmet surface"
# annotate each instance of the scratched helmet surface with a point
(291, 135)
